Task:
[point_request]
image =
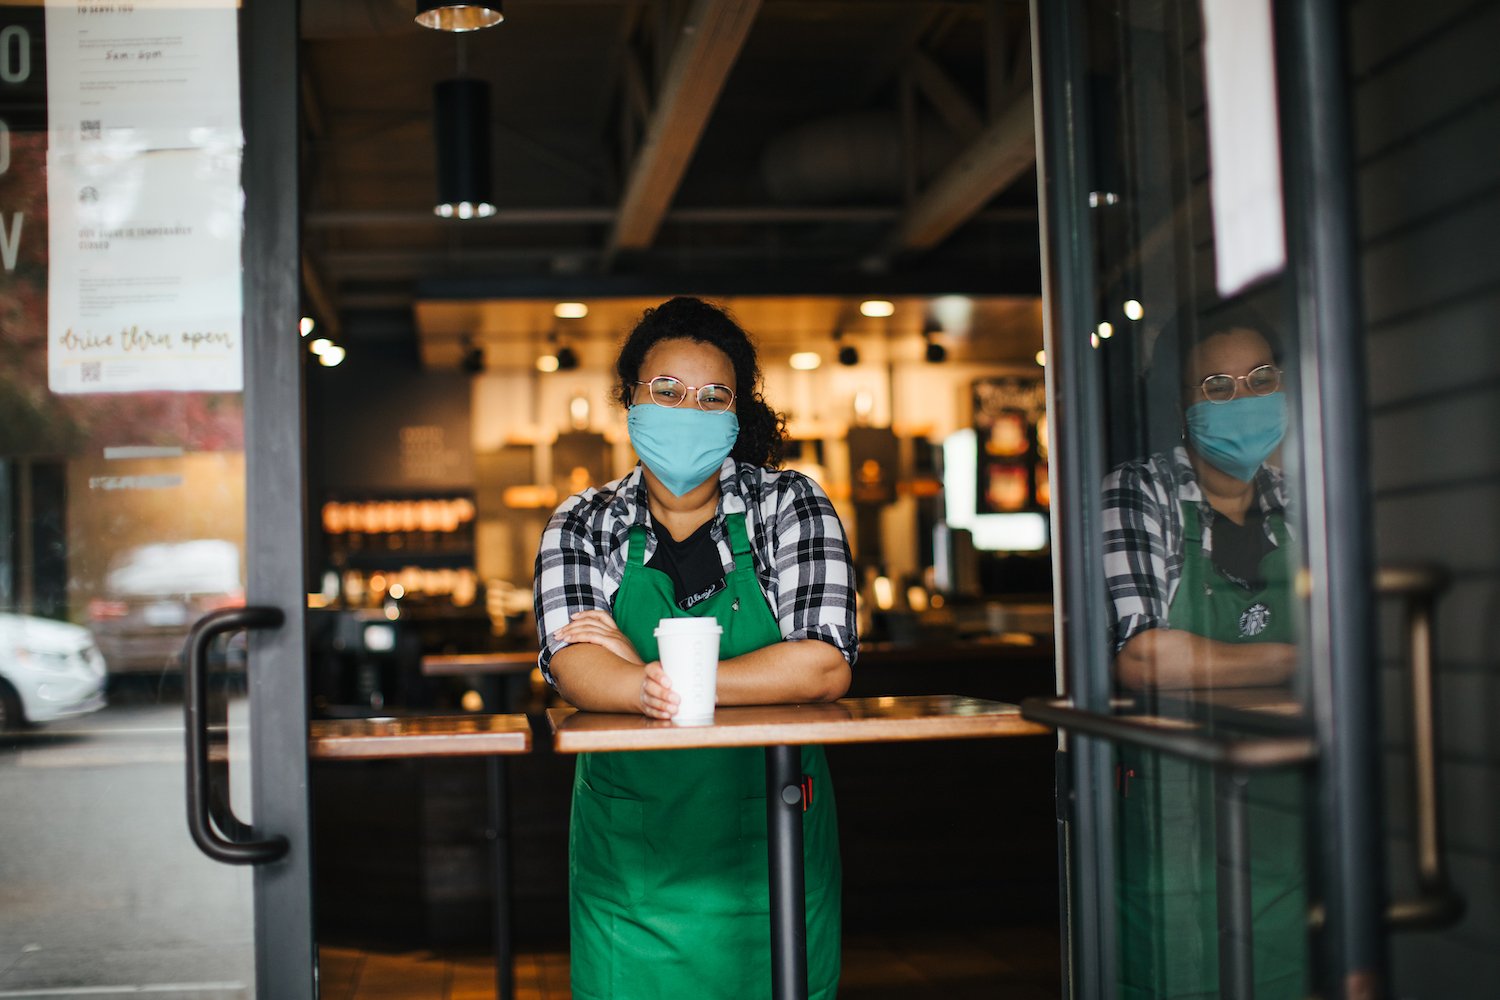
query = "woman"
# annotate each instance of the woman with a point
(1199, 562)
(667, 850)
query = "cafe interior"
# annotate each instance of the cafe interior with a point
(487, 213)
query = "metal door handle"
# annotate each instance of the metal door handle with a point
(195, 710)
(1436, 904)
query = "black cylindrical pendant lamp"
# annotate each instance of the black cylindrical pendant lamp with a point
(461, 122)
(459, 15)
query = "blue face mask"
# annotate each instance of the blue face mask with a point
(1238, 436)
(682, 445)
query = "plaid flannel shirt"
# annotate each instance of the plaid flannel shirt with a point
(801, 556)
(1143, 534)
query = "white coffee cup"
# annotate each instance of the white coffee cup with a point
(689, 651)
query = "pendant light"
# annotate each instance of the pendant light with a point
(461, 122)
(457, 15)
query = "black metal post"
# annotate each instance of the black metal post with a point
(784, 853)
(1322, 247)
(499, 834)
(1232, 837)
(275, 488)
(1076, 467)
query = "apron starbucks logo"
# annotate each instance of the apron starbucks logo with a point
(1255, 620)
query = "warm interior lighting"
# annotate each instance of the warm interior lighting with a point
(320, 345)
(1133, 309)
(877, 308)
(1041, 358)
(885, 593)
(1106, 330)
(461, 126)
(332, 356)
(446, 15)
(570, 310)
(1094, 341)
(546, 363)
(305, 325)
(578, 412)
(805, 361)
(397, 591)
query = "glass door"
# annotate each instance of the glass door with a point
(1218, 823)
(153, 832)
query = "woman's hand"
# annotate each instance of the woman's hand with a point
(600, 629)
(658, 700)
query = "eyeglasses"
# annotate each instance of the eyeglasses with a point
(1261, 381)
(669, 391)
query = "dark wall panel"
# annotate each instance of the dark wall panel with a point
(1427, 121)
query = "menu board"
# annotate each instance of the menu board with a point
(1010, 415)
(143, 184)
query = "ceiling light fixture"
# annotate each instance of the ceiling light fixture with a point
(472, 361)
(1133, 309)
(848, 353)
(877, 308)
(331, 356)
(305, 325)
(570, 310)
(461, 123)
(546, 363)
(320, 345)
(451, 15)
(936, 353)
(805, 361)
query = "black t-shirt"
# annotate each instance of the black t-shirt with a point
(692, 564)
(1239, 549)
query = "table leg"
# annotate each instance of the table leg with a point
(1236, 943)
(784, 847)
(499, 824)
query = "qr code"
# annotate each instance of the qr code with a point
(89, 129)
(91, 372)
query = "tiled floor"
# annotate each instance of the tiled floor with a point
(1014, 963)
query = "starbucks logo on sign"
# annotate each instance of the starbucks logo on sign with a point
(1255, 619)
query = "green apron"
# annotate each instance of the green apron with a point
(1166, 894)
(667, 849)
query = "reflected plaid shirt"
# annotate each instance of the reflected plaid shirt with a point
(801, 556)
(1143, 534)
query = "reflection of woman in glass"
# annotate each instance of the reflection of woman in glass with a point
(667, 850)
(1199, 562)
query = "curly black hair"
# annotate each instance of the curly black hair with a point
(762, 429)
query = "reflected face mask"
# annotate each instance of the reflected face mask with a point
(1238, 436)
(682, 445)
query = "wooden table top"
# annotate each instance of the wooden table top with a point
(458, 664)
(850, 720)
(419, 736)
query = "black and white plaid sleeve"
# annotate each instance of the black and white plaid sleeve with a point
(814, 574)
(1137, 550)
(569, 577)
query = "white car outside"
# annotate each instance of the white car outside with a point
(48, 671)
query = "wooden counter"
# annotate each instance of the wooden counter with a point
(850, 720)
(424, 736)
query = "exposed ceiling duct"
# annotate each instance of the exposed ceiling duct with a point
(853, 157)
(330, 19)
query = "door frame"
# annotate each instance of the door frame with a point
(275, 483)
(1322, 274)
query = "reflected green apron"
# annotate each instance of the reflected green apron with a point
(1166, 894)
(667, 849)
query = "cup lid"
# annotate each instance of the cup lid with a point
(694, 626)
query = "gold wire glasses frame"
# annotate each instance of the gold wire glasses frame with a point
(1260, 381)
(669, 391)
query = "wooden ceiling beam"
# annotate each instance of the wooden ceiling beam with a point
(1002, 152)
(708, 45)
